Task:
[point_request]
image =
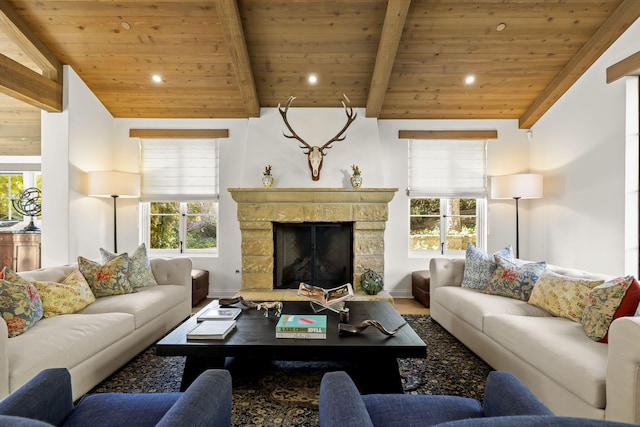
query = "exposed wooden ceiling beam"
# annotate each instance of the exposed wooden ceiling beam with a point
(12, 25)
(24, 84)
(625, 15)
(234, 35)
(627, 67)
(394, 20)
(448, 134)
(178, 133)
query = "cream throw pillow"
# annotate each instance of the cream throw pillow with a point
(562, 296)
(72, 295)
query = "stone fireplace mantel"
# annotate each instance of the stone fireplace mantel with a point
(259, 208)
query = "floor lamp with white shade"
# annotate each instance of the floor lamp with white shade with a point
(518, 186)
(113, 184)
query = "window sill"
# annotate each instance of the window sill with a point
(436, 254)
(182, 255)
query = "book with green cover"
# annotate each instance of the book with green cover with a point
(307, 326)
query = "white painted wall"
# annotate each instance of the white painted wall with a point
(74, 141)
(224, 281)
(267, 145)
(579, 146)
(508, 154)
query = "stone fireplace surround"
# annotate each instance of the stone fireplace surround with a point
(259, 208)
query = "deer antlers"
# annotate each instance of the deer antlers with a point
(315, 154)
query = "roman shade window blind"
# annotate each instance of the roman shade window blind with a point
(179, 169)
(447, 168)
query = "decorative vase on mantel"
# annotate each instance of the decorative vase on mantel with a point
(267, 178)
(356, 177)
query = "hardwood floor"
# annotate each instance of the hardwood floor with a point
(403, 305)
(410, 306)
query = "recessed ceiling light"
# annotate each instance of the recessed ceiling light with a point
(156, 78)
(501, 26)
(470, 79)
(313, 79)
(125, 25)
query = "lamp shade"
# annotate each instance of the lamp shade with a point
(113, 183)
(518, 186)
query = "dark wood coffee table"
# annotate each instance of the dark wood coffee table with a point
(373, 354)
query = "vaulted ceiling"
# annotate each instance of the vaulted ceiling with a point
(400, 59)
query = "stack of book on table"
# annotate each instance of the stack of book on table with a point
(212, 330)
(215, 323)
(305, 326)
(220, 313)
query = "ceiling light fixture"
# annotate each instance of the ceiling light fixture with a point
(156, 78)
(470, 79)
(501, 26)
(125, 25)
(312, 79)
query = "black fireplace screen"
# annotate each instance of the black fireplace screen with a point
(318, 253)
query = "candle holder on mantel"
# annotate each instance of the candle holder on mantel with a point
(356, 177)
(267, 178)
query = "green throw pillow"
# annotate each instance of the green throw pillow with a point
(601, 306)
(140, 274)
(108, 279)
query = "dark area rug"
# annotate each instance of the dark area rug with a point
(283, 393)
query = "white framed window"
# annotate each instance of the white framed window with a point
(11, 185)
(445, 225)
(184, 227)
(179, 196)
(447, 196)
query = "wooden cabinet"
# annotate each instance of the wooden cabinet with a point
(20, 251)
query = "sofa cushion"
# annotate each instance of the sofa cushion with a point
(602, 304)
(72, 295)
(20, 304)
(415, 410)
(472, 305)
(64, 341)
(145, 305)
(479, 266)
(108, 279)
(50, 274)
(122, 409)
(558, 348)
(562, 296)
(140, 274)
(514, 280)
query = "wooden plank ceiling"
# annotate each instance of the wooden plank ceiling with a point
(398, 58)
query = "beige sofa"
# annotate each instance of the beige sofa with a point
(569, 372)
(98, 340)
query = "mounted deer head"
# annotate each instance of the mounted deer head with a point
(315, 154)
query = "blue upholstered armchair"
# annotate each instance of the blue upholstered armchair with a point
(46, 400)
(507, 402)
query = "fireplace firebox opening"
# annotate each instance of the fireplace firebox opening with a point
(317, 253)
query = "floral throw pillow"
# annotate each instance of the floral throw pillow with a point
(108, 279)
(140, 274)
(602, 304)
(479, 266)
(514, 281)
(562, 296)
(627, 307)
(72, 295)
(20, 304)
